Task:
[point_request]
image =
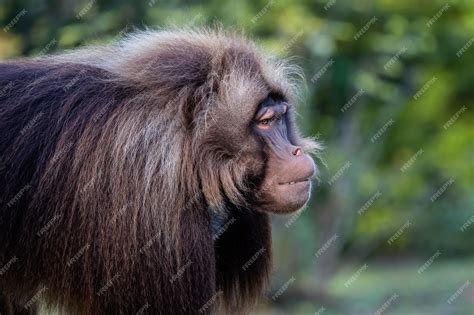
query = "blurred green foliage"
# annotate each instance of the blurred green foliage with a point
(388, 91)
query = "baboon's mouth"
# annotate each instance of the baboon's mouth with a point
(303, 180)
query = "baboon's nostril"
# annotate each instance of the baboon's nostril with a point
(297, 151)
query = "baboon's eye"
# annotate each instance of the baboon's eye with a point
(274, 118)
(264, 122)
(266, 118)
(270, 112)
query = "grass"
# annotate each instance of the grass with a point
(425, 293)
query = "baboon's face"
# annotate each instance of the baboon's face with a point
(288, 169)
(255, 123)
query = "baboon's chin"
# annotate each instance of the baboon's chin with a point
(288, 197)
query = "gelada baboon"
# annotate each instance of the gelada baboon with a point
(139, 177)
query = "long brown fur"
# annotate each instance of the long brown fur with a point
(114, 162)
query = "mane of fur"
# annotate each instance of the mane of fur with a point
(111, 171)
